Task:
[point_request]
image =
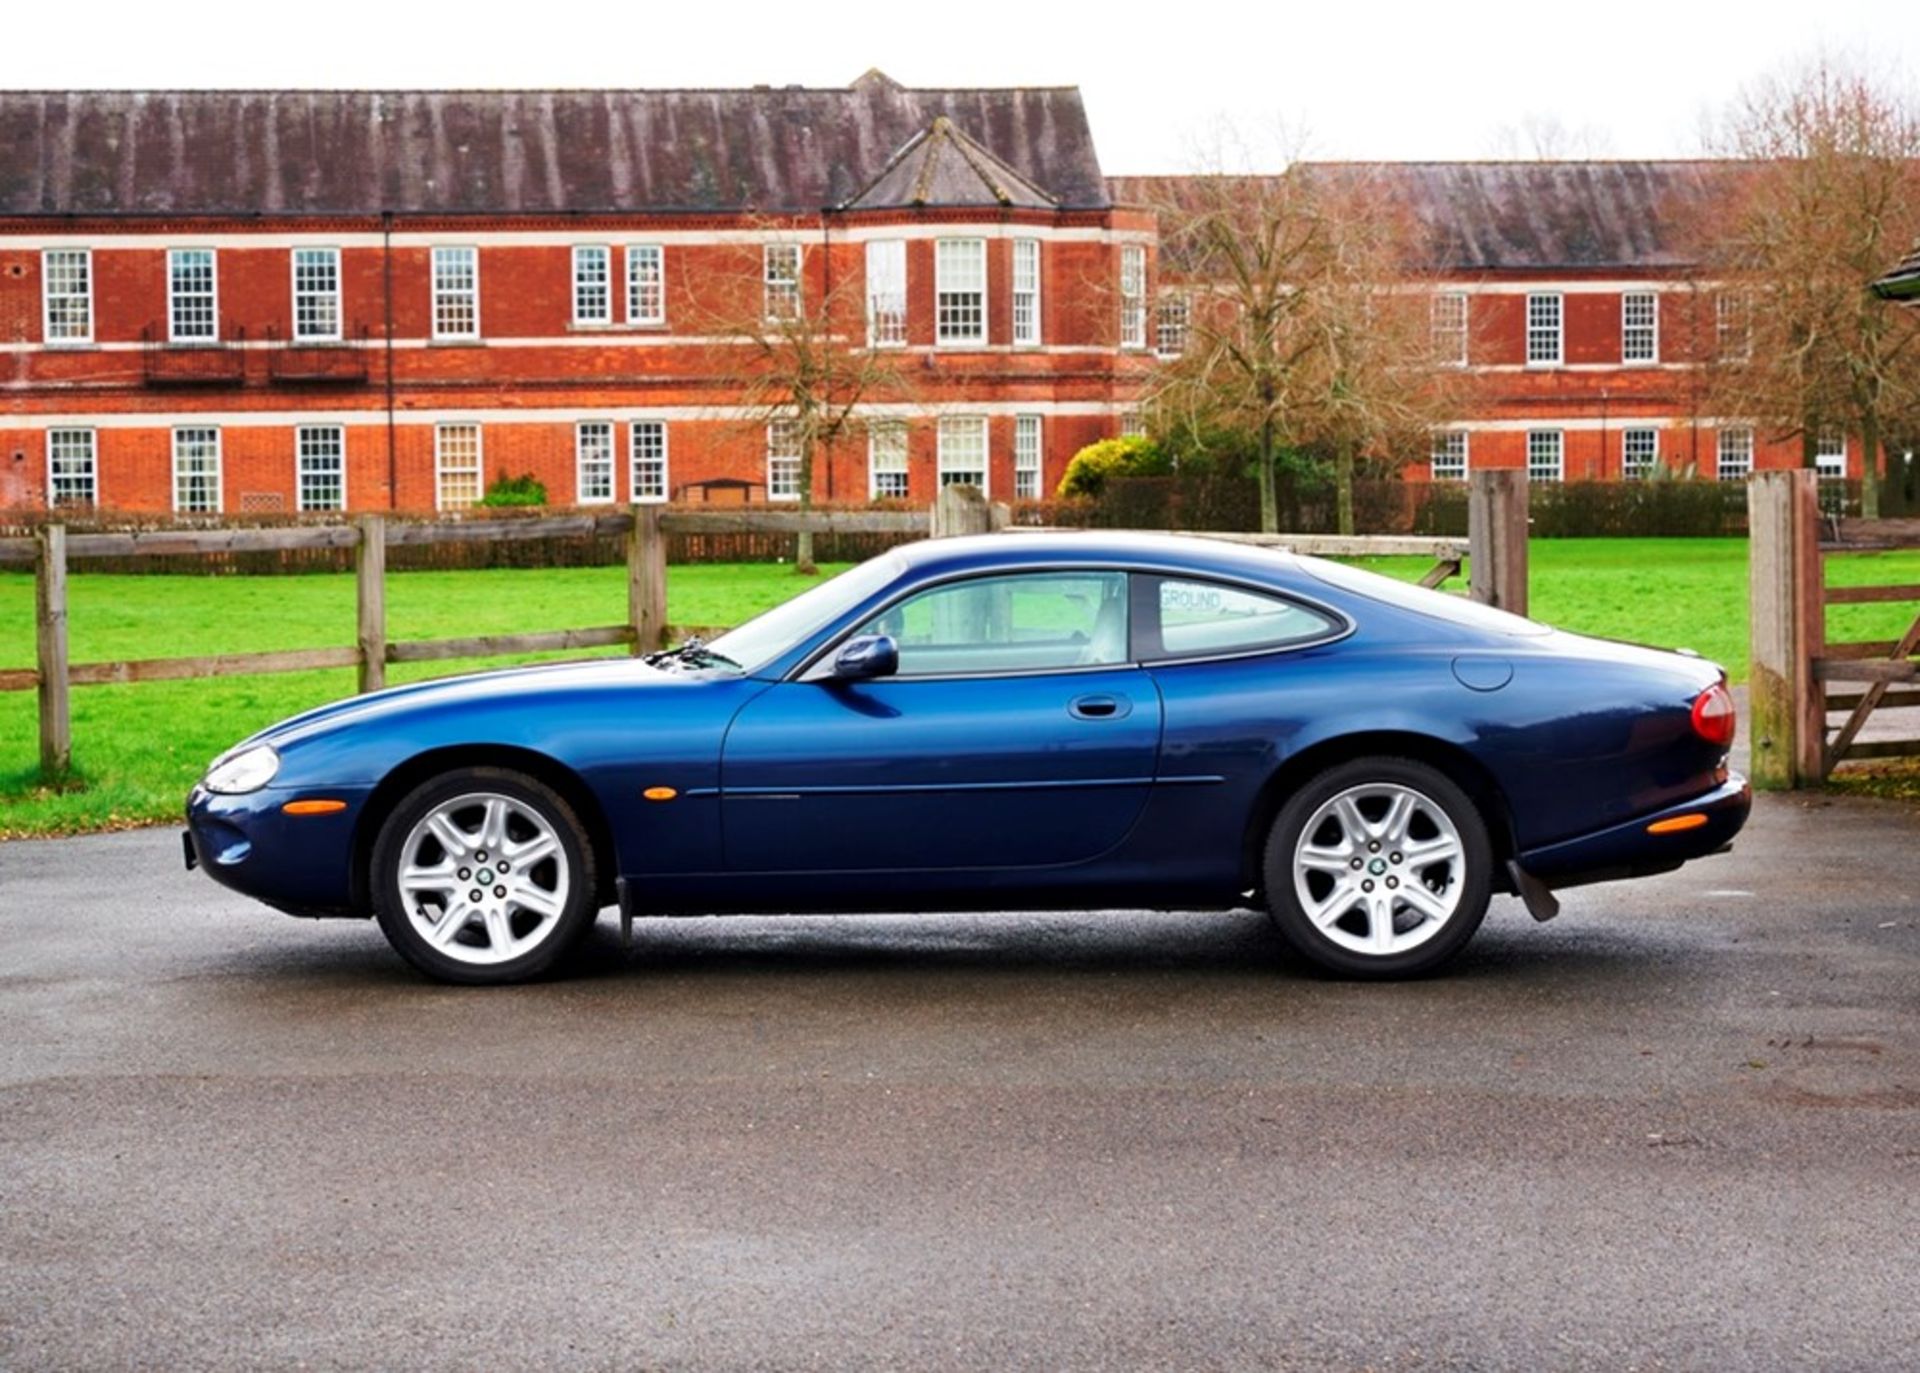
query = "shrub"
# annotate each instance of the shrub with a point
(525, 489)
(1098, 463)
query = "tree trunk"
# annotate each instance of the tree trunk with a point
(1809, 446)
(1343, 488)
(1870, 467)
(1269, 502)
(803, 563)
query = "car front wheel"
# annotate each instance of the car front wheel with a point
(483, 875)
(1379, 867)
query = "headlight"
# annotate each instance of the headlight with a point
(248, 770)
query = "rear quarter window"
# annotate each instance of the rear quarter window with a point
(1188, 618)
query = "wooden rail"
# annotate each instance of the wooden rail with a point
(645, 528)
(1795, 741)
(1496, 542)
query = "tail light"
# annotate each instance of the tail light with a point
(1713, 716)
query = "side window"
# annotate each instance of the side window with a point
(1198, 618)
(1029, 623)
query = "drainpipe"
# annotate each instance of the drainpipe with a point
(386, 269)
(1600, 472)
(826, 301)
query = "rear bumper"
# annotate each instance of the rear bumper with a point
(1633, 850)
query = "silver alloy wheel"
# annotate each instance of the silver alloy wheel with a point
(484, 878)
(1379, 869)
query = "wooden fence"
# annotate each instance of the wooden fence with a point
(1498, 546)
(1496, 542)
(1801, 681)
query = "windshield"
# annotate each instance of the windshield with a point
(1439, 604)
(765, 637)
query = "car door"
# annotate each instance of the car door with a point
(1016, 733)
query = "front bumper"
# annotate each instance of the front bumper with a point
(1631, 850)
(301, 864)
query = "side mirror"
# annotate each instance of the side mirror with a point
(866, 657)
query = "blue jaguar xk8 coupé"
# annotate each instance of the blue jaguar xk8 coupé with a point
(1002, 723)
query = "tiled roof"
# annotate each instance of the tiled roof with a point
(529, 152)
(1525, 215)
(941, 165)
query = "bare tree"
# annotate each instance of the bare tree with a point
(1377, 391)
(1306, 322)
(1241, 243)
(789, 348)
(1825, 195)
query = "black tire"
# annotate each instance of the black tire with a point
(530, 802)
(1329, 947)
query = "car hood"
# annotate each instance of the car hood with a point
(547, 681)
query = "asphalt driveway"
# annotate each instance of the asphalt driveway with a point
(1678, 1127)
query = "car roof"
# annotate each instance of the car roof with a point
(1176, 552)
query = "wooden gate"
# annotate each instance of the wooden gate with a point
(1812, 698)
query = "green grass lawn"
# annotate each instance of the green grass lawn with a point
(139, 748)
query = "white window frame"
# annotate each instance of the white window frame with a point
(1029, 461)
(886, 308)
(68, 434)
(49, 257)
(174, 297)
(1642, 467)
(1830, 455)
(1739, 438)
(640, 483)
(643, 279)
(469, 293)
(1133, 295)
(592, 277)
(959, 292)
(301, 456)
(783, 460)
(332, 297)
(1648, 354)
(1133, 424)
(950, 429)
(1447, 328)
(604, 430)
(782, 288)
(1172, 325)
(1443, 464)
(219, 474)
(1539, 330)
(442, 469)
(1733, 320)
(889, 439)
(1539, 441)
(1026, 293)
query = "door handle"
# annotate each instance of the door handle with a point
(1102, 707)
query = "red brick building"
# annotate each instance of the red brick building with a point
(236, 302)
(1567, 294)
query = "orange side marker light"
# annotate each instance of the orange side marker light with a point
(1676, 824)
(313, 807)
(659, 793)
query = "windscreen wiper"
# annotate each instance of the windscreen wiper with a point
(694, 653)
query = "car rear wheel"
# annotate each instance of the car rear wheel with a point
(1379, 867)
(483, 875)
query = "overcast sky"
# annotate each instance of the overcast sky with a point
(1623, 78)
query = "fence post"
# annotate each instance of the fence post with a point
(50, 645)
(370, 567)
(647, 580)
(961, 509)
(1497, 539)
(1788, 611)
